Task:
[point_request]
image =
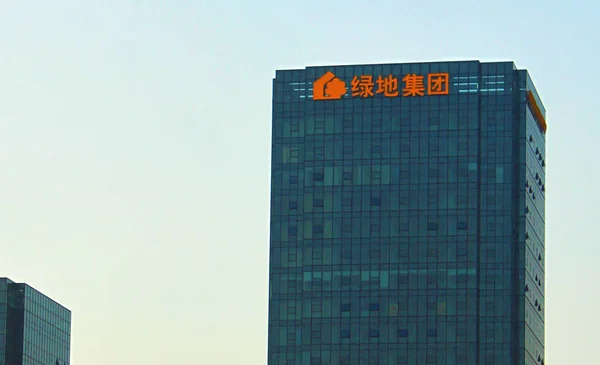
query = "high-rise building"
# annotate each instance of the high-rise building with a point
(407, 215)
(34, 329)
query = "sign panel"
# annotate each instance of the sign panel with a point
(537, 113)
(331, 87)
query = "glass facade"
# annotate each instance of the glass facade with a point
(34, 330)
(407, 216)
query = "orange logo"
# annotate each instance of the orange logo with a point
(328, 87)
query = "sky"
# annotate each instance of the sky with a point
(135, 155)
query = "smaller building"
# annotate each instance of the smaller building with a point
(34, 329)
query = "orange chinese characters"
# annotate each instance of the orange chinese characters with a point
(413, 85)
(362, 86)
(328, 87)
(388, 86)
(437, 84)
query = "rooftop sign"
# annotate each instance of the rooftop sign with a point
(330, 87)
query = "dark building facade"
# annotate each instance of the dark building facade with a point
(407, 215)
(34, 329)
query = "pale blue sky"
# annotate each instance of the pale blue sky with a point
(135, 152)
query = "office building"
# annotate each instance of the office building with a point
(407, 215)
(34, 329)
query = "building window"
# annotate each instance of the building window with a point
(377, 123)
(375, 228)
(346, 253)
(433, 174)
(347, 151)
(291, 338)
(316, 307)
(294, 127)
(432, 226)
(348, 125)
(319, 153)
(291, 309)
(315, 335)
(317, 255)
(376, 175)
(432, 252)
(319, 126)
(294, 155)
(375, 253)
(292, 231)
(346, 228)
